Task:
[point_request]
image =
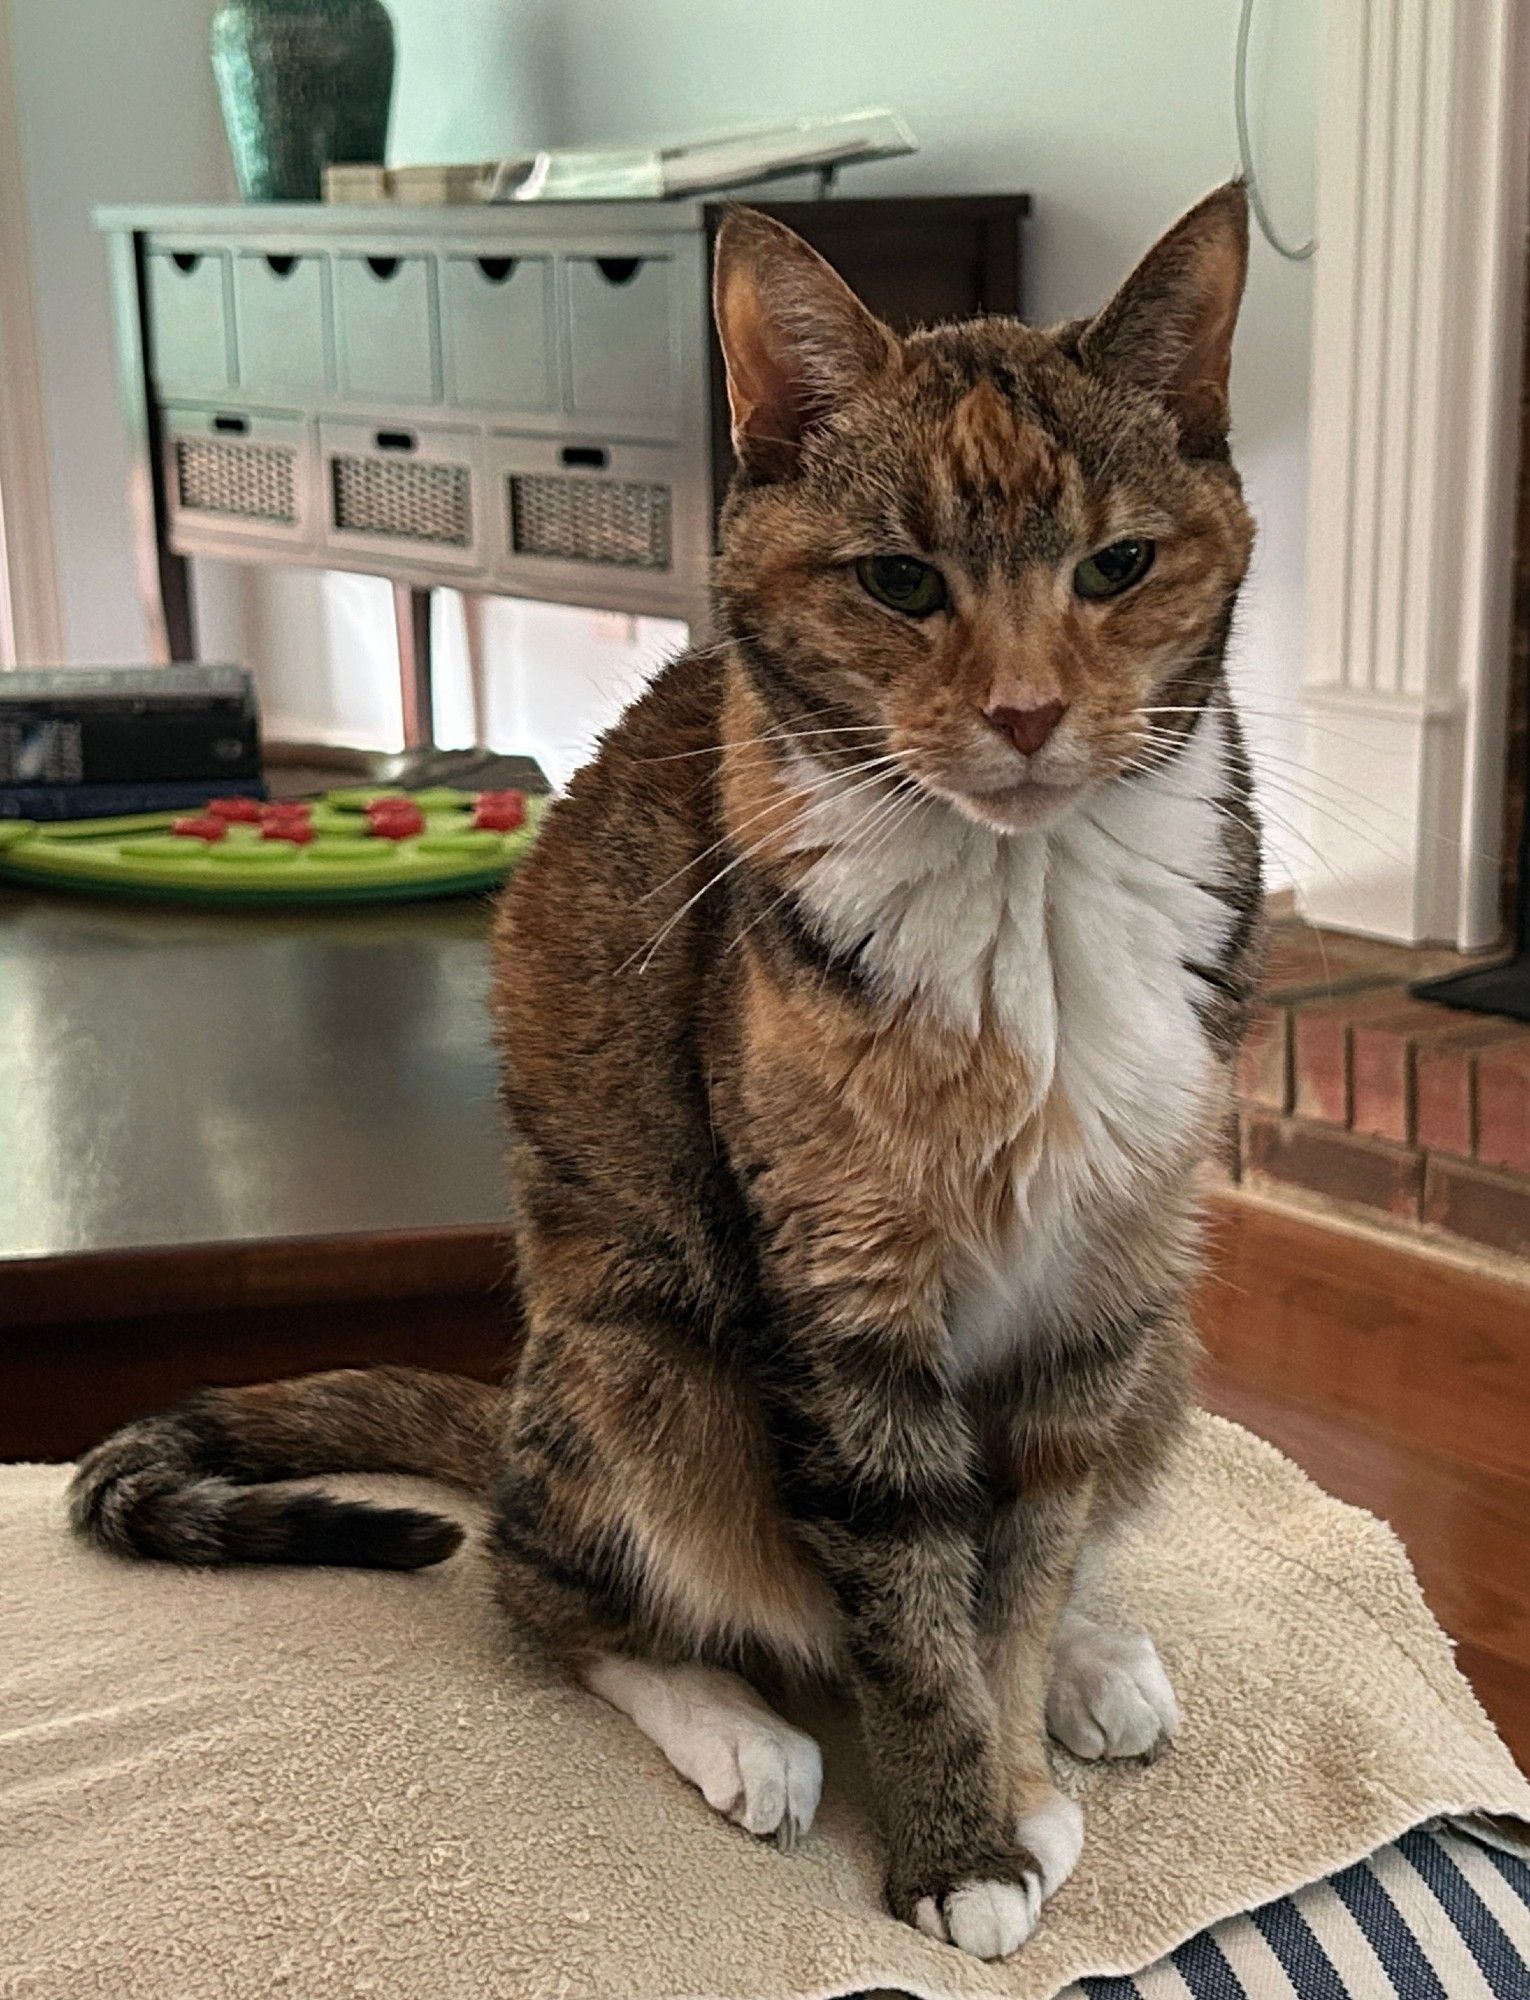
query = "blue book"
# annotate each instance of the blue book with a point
(55, 802)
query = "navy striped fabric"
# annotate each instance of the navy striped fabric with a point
(1439, 1915)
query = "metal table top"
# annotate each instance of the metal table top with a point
(171, 1077)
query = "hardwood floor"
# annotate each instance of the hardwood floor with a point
(1400, 1381)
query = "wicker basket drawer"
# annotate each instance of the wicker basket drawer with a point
(395, 491)
(601, 522)
(232, 476)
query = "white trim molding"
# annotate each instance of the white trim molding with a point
(31, 629)
(1418, 313)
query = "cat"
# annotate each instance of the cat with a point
(866, 1008)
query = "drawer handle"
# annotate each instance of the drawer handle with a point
(281, 267)
(593, 455)
(619, 270)
(496, 269)
(383, 268)
(395, 440)
(185, 261)
(232, 426)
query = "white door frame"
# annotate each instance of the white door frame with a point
(31, 629)
(1423, 183)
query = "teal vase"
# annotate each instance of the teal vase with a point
(303, 83)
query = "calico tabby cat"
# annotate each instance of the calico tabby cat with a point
(866, 1006)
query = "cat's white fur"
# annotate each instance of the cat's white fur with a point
(993, 1919)
(1073, 937)
(747, 1763)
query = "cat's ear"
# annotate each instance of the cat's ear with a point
(1169, 329)
(795, 338)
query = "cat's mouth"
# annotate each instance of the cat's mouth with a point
(1011, 808)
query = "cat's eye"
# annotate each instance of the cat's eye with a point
(1114, 568)
(903, 584)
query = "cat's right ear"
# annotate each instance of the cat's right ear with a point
(795, 338)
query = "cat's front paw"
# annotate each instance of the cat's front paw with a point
(984, 1919)
(990, 1915)
(1109, 1695)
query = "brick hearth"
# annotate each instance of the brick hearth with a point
(1353, 1092)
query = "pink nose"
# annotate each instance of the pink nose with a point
(1027, 728)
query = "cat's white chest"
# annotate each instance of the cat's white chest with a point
(1075, 941)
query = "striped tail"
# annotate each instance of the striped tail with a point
(192, 1486)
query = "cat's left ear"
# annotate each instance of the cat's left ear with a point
(1169, 329)
(795, 338)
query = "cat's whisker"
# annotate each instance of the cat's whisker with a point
(769, 738)
(1338, 812)
(1294, 771)
(809, 786)
(1251, 822)
(876, 816)
(1246, 713)
(748, 853)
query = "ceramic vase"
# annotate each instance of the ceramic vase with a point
(303, 83)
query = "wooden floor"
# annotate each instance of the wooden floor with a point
(1399, 1381)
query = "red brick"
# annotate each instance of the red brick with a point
(1382, 1057)
(1320, 1050)
(1264, 1063)
(1503, 1106)
(1479, 1203)
(1320, 1061)
(1443, 1096)
(1352, 1059)
(1342, 1166)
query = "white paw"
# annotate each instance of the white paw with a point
(1109, 1696)
(763, 1775)
(1054, 1833)
(992, 1919)
(985, 1919)
(745, 1761)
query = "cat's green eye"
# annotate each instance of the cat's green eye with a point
(1115, 568)
(903, 584)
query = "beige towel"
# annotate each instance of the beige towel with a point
(323, 1785)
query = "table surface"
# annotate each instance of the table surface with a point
(171, 1078)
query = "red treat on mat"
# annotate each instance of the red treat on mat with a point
(396, 819)
(499, 812)
(200, 826)
(238, 812)
(298, 831)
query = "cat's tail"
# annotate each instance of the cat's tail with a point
(191, 1486)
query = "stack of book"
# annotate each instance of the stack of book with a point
(100, 742)
(423, 186)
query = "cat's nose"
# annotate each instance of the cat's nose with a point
(1027, 728)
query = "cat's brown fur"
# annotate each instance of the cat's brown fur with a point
(756, 1163)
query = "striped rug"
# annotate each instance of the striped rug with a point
(1436, 1916)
